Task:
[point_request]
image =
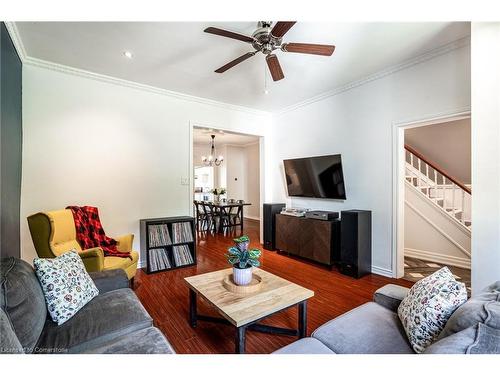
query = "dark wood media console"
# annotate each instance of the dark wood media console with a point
(313, 239)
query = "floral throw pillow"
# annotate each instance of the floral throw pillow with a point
(428, 305)
(66, 285)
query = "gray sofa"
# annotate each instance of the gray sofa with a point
(375, 328)
(113, 322)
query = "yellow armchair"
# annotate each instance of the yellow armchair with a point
(54, 233)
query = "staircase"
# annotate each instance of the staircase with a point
(444, 191)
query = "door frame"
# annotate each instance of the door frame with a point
(398, 186)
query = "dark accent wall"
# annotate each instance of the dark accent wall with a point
(10, 145)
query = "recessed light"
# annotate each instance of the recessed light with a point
(128, 54)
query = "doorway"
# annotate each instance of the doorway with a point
(433, 196)
(231, 161)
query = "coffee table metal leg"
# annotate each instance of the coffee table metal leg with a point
(192, 308)
(302, 319)
(240, 340)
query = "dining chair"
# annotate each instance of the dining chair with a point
(201, 215)
(236, 218)
(226, 213)
(213, 216)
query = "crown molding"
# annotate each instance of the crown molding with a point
(459, 43)
(16, 39)
(32, 61)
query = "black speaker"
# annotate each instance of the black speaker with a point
(269, 215)
(355, 243)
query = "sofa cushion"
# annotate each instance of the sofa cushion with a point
(21, 298)
(367, 329)
(107, 281)
(308, 345)
(9, 343)
(390, 296)
(483, 308)
(66, 285)
(428, 306)
(479, 339)
(106, 317)
(145, 341)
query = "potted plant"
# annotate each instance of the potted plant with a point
(217, 192)
(242, 260)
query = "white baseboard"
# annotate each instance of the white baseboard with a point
(382, 271)
(256, 218)
(438, 258)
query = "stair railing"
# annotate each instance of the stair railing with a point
(430, 176)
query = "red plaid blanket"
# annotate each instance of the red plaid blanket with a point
(89, 231)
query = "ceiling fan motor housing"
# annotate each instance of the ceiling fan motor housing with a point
(264, 41)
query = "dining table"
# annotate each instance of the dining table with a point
(224, 208)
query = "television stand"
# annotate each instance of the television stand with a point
(317, 240)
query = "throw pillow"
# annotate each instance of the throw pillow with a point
(66, 285)
(428, 305)
(482, 308)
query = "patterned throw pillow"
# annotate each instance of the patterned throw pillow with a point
(66, 285)
(428, 305)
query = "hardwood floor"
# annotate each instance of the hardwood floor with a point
(165, 297)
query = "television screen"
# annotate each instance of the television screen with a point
(315, 177)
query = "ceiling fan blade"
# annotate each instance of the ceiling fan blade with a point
(313, 49)
(274, 67)
(281, 28)
(228, 34)
(230, 64)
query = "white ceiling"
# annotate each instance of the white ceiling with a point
(179, 56)
(202, 136)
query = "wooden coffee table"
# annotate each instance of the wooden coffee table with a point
(245, 311)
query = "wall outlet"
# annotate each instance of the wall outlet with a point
(184, 181)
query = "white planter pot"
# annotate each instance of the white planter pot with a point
(242, 276)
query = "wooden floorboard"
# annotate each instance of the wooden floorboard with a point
(165, 297)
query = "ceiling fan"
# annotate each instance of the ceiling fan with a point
(266, 40)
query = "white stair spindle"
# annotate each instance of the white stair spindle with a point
(453, 205)
(462, 219)
(419, 172)
(427, 171)
(444, 191)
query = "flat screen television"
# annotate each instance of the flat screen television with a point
(315, 177)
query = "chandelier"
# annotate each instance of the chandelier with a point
(212, 159)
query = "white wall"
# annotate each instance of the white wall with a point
(252, 181)
(235, 172)
(358, 124)
(121, 149)
(485, 56)
(242, 176)
(448, 145)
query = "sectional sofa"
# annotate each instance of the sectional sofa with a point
(113, 322)
(375, 328)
